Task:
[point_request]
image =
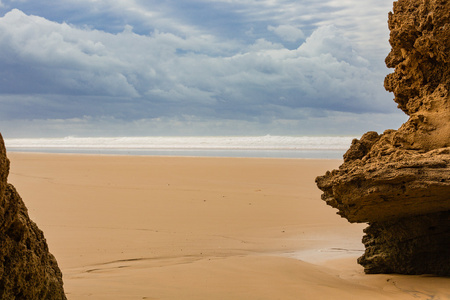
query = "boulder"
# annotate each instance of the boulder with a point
(399, 181)
(27, 269)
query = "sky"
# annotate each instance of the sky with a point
(201, 67)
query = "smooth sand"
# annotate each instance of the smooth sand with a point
(200, 228)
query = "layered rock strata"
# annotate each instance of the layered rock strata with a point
(27, 269)
(399, 181)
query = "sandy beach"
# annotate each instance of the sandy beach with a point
(136, 227)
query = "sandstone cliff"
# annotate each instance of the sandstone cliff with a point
(399, 181)
(27, 269)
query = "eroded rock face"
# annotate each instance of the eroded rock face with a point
(399, 181)
(420, 40)
(27, 269)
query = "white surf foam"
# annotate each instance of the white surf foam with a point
(267, 142)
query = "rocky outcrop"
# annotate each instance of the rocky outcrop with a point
(399, 181)
(27, 269)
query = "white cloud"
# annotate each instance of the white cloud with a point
(58, 71)
(363, 22)
(287, 32)
(65, 60)
(331, 40)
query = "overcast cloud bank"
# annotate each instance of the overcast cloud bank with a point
(62, 79)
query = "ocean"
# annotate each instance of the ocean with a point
(209, 146)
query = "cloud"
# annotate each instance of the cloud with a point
(46, 58)
(287, 32)
(186, 125)
(162, 74)
(124, 63)
(364, 22)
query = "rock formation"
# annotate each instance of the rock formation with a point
(399, 181)
(27, 269)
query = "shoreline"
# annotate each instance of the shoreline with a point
(152, 227)
(165, 156)
(233, 153)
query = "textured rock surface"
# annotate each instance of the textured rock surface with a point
(399, 181)
(27, 269)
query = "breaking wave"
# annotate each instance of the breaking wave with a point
(267, 142)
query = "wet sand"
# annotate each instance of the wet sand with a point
(132, 227)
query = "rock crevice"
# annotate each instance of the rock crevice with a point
(399, 181)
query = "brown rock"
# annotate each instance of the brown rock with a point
(399, 181)
(413, 245)
(27, 269)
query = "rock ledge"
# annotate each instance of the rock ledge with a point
(399, 181)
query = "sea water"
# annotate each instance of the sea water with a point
(210, 146)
